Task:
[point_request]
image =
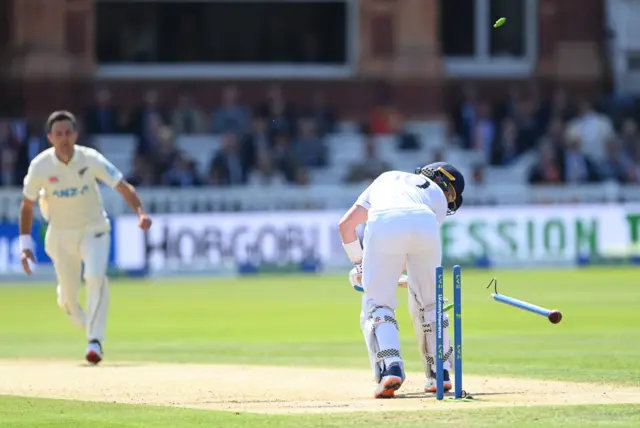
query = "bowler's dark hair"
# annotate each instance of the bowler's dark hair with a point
(60, 116)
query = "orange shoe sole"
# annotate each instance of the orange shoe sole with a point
(447, 388)
(388, 387)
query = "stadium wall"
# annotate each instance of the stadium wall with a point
(295, 241)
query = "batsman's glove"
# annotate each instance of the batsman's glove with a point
(355, 278)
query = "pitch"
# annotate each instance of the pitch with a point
(287, 351)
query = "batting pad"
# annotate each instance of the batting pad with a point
(382, 337)
(424, 324)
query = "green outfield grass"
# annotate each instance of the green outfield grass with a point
(18, 412)
(314, 320)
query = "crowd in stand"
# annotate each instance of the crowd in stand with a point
(576, 141)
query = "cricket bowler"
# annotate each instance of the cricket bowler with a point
(64, 180)
(403, 213)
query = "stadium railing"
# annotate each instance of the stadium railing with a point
(321, 197)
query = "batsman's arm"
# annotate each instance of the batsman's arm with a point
(356, 215)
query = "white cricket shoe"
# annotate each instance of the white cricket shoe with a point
(391, 380)
(431, 382)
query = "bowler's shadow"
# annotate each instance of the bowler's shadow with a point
(110, 365)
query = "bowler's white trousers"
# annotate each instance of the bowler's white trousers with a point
(69, 249)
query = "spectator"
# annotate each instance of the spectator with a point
(617, 165)
(558, 107)
(278, 112)
(187, 118)
(509, 107)
(592, 129)
(6, 136)
(166, 152)
(484, 131)
(464, 115)
(578, 168)
(555, 133)
(265, 174)
(323, 115)
(182, 173)
(547, 170)
(258, 142)
(149, 140)
(529, 129)
(508, 145)
(310, 149)
(216, 176)
(142, 174)
(7, 154)
(230, 116)
(630, 139)
(150, 111)
(405, 140)
(408, 141)
(102, 117)
(371, 166)
(383, 118)
(228, 163)
(284, 156)
(28, 149)
(7, 166)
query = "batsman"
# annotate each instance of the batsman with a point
(403, 213)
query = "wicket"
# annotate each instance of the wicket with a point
(457, 334)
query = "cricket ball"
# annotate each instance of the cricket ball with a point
(555, 316)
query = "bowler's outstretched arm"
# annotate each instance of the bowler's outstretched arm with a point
(131, 197)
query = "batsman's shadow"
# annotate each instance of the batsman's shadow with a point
(423, 395)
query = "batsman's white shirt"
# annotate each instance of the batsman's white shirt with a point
(405, 212)
(71, 191)
(398, 190)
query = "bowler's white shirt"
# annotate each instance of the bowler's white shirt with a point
(71, 191)
(397, 190)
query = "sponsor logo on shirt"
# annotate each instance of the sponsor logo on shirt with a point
(70, 192)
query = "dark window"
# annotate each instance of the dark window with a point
(5, 24)
(508, 40)
(457, 27)
(221, 32)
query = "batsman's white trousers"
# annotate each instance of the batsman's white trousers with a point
(69, 250)
(391, 239)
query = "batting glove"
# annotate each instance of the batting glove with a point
(355, 278)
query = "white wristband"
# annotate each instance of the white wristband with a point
(26, 242)
(354, 251)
